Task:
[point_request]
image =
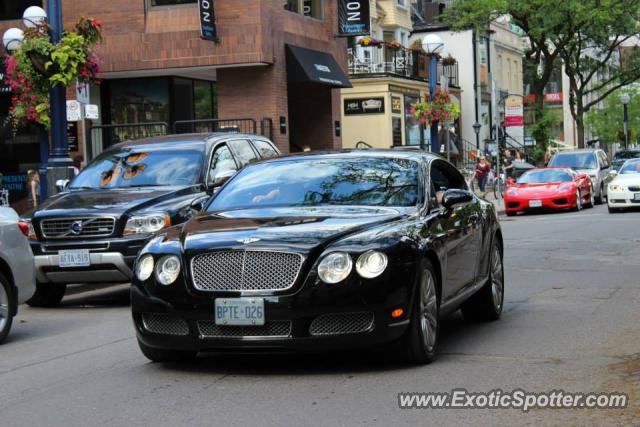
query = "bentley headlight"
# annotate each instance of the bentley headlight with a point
(371, 264)
(144, 267)
(167, 269)
(144, 224)
(335, 267)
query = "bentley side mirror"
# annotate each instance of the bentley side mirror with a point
(454, 197)
(62, 185)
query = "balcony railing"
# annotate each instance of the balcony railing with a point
(376, 60)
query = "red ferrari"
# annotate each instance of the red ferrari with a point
(550, 188)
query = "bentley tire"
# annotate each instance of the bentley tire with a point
(421, 339)
(160, 355)
(47, 295)
(7, 307)
(487, 303)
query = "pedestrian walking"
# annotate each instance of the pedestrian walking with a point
(33, 189)
(482, 173)
(507, 163)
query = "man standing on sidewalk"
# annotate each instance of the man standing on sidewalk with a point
(482, 173)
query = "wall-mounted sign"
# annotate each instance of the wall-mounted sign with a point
(82, 92)
(363, 106)
(513, 111)
(396, 105)
(354, 18)
(404, 90)
(91, 112)
(72, 136)
(74, 111)
(208, 29)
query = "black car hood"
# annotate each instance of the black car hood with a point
(108, 202)
(296, 228)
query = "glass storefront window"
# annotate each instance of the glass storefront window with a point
(170, 2)
(140, 100)
(411, 124)
(310, 8)
(13, 9)
(203, 99)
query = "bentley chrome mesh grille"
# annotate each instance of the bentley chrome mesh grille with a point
(245, 270)
(274, 329)
(341, 323)
(166, 324)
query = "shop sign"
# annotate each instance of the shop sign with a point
(72, 136)
(363, 106)
(208, 29)
(74, 111)
(552, 98)
(91, 112)
(396, 105)
(404, 90)
(514, 112)
(354, 18)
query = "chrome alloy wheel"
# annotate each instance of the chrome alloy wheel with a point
(428, 310)
(4, 308)
(497, 279)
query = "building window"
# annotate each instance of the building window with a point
(402, 3)
(310, 8)
(170, 2)
(13, 9)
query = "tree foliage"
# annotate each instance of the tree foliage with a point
(607, 122)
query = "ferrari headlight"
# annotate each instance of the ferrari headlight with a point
(617, 187)
(371, 264)
(167, 269)
(335, 267)
(144, 267)
(144, 224)
(512, 191)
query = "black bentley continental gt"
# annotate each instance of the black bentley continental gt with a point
(322, 251)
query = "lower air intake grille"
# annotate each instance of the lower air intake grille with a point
(341, 323)
(165, 324)
(274, 329)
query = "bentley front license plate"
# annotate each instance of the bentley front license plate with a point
(74, 258)
(535, 203)
(239, 311)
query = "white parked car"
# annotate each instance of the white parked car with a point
(624, 190)
(17, 270)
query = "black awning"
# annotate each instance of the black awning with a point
(312, 66)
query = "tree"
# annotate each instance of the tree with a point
(543, 23)
(586, 35)
(607, 122)
(596, 60)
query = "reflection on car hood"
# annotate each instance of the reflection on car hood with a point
(627, 179)
(301, 228)
(111, 202)
(539, 188)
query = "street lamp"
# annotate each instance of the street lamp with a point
(476, 128)
(625, 98)
(433, 45)
(57, 159)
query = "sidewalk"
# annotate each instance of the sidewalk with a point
(499, 204)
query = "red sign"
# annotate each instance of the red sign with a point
(512, 121)
(554, 97)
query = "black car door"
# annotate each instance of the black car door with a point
(462, 226)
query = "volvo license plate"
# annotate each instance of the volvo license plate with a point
(74, 258)
(239, 311)
(535, 203)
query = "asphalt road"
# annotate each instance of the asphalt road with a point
(570, 322)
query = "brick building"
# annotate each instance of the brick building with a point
(158, 69)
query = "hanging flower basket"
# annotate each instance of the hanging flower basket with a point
(439, 109)
(393, 45)
(370, 41)
(39, 65)
(449, 60)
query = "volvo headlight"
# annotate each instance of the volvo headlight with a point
(371, 264)
(144, 224)
(335, 267)
(144, 267)
(167, 269)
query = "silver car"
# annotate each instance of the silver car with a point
(594, 163)
(17, 270)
